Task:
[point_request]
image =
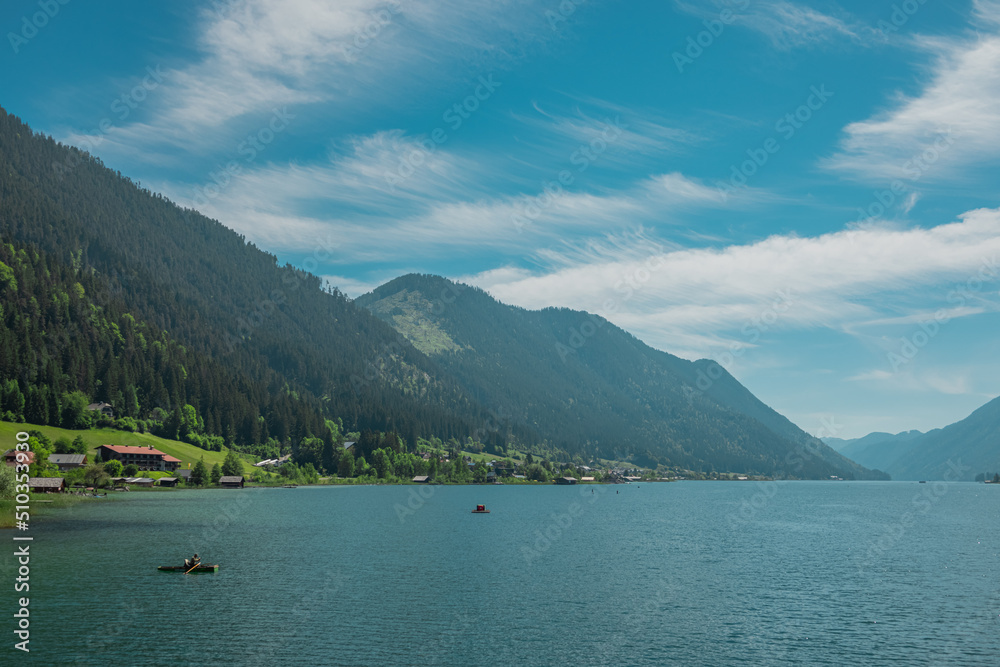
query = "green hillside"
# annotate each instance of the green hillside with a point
(114, 292)
(188, 454)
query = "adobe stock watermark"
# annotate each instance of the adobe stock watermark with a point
(438, 649)
(921, 503)
(752, 331)
(376, 366)
(900, 16)
(415, 499)
(494, 422)
(915, 168)
(796, 459)
(304, 609)
(454, 117)
(447, 297)
(927, 330)
(30, 26)
(254, 144)
(627, 287)
(122, 107)
(368, 34)
(562, 13)
(225, 515)
(786, 126)
(559, 524)
(584, 155)
(698, 43)
(291, 281)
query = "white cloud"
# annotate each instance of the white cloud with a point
(446, 203)
(259, 54)
(696, 301)
(952, 122)
(787, 25)
(790, 25)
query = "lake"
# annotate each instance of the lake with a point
(700, 573)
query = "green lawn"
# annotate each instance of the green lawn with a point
(188, 454)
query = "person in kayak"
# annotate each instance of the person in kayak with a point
(191, 562)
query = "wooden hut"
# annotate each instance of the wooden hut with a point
(47, 484)
(231, 481)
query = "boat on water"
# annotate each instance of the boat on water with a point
(480, 509)
(181, 568)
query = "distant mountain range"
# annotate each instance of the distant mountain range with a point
(875, 449)
(971, 445)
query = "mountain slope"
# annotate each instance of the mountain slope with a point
(582, 382)
(202, 285)
(973, 444)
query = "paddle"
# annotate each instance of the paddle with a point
(192, 567)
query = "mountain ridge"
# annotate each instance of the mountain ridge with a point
(553, 368)
(971, 444)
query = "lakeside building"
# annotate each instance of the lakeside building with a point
(145, 458)
(47, 484)
(68, 461)
(231, 481)
(566, 480)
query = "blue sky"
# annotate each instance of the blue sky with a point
(803, 191)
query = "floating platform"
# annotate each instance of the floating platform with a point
(180, 568)
(480, 509)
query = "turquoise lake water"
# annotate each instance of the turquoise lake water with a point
(700, 573)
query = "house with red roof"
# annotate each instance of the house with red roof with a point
(10, 457)
(145, 458)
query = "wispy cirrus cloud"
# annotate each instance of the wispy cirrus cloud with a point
(694, 301)
(254, 55)
(792, 25)
(960, 103)
(786, 25)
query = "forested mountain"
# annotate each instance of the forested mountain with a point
(259, 351)
(582, 382)
(112, 293)
(972, 445)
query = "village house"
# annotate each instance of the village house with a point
(566, 480)
(144, 482)
(47, 484)
(105, 409)
(10, 457)
(145, 458)
(68, 461)
(168, 481)
(231, 481)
